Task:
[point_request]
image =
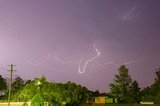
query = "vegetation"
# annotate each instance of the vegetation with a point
(128, 91)
(152, 93)
(39, 91)
(135, 93)
(17, 87)
(121, 85)
(3, 86)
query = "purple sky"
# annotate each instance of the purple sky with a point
(57, 37)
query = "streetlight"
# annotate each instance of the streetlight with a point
(39, 84)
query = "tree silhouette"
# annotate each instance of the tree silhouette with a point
(121, 85)
(3, 85)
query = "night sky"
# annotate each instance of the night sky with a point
(83, 41)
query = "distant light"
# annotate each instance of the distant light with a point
(39, 82)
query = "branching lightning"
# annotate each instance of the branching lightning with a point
(90, 60)
(129, 15)
(126, 63)
(101, 65)
(61, 61)
(48, 57)
(81, 69)
(3, 67)
(37, 63)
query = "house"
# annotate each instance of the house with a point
(104, 99)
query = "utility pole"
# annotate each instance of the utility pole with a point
(10, 84)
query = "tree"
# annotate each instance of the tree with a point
(57, 93)
(3, 85)
(17, 84)
(28, 81)
(31, 89)
(134, 91)
(121, 85)
(28, 92)
(16, 88)
(96, 93)
(76, 94)
(152, 93)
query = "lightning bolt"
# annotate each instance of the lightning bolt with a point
(129, 15)
(90, 60)
(61, 61)
(117, 65)
(3, 67)
(50, 57)
(101, 65)
(37, 63)
(81, 69)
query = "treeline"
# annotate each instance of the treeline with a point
(127, 90)
(39, 90)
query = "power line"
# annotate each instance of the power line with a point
(10, 84)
